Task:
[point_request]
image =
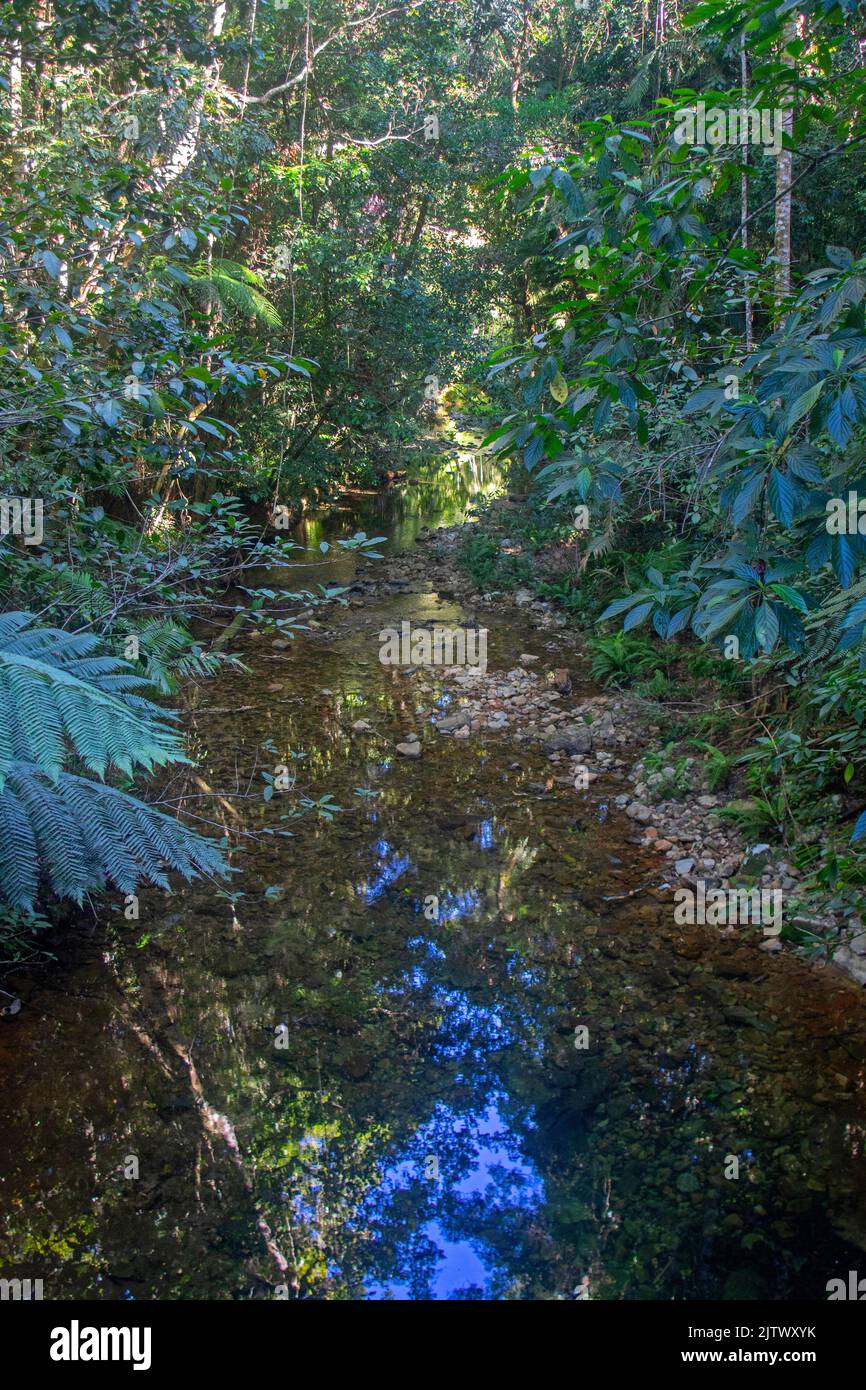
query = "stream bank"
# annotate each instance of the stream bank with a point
(587, 733)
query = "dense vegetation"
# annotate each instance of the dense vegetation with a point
(245, 245)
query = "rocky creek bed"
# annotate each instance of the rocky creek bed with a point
(599, 737)
(441, 1037)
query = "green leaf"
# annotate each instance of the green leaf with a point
(637, 616)
(766, 627)
(51, 263)
(803, 404)
(782, 496)
(791, 597)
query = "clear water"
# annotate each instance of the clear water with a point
(430, 1130)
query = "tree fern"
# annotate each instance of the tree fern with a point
(169, 653)
(57, 689)
(84, 835)
(235, 288)
(62, 699)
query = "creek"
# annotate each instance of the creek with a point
(331, 1091)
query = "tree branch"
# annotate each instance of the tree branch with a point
(290, 82)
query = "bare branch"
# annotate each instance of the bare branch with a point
(320, 48)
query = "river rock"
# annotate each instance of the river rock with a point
(604, 727)
(573, 738)
(410, 749)
(457, 720)
(855, 966)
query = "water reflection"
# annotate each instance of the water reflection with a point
(497, 1173)
(417, 1030)
(435, 493)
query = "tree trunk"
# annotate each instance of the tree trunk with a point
(16, 105)
(519, 58)
(181, 156)
(782, 238)
(408, 259)
(748, 308)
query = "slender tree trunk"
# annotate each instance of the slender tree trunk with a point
(782, 238)
(748, 308)
(184, 151)
(408, 258)
(16, 105)
(519, 58)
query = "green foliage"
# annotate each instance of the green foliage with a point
(77, 835)
(482, 556)
(235, 289)
(620, 660)
(169, 655)
(66, 703)
(20, 933)
(717, 763)
(668, 775)
(758, 816)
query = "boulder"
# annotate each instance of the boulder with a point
(574, 738)
(457, 720)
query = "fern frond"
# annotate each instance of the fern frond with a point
(236, 271)
(168, 652)
(62, 697)
(236, 288)
(82, 835)
(54, 687)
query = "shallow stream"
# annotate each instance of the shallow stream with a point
(329, 1094)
